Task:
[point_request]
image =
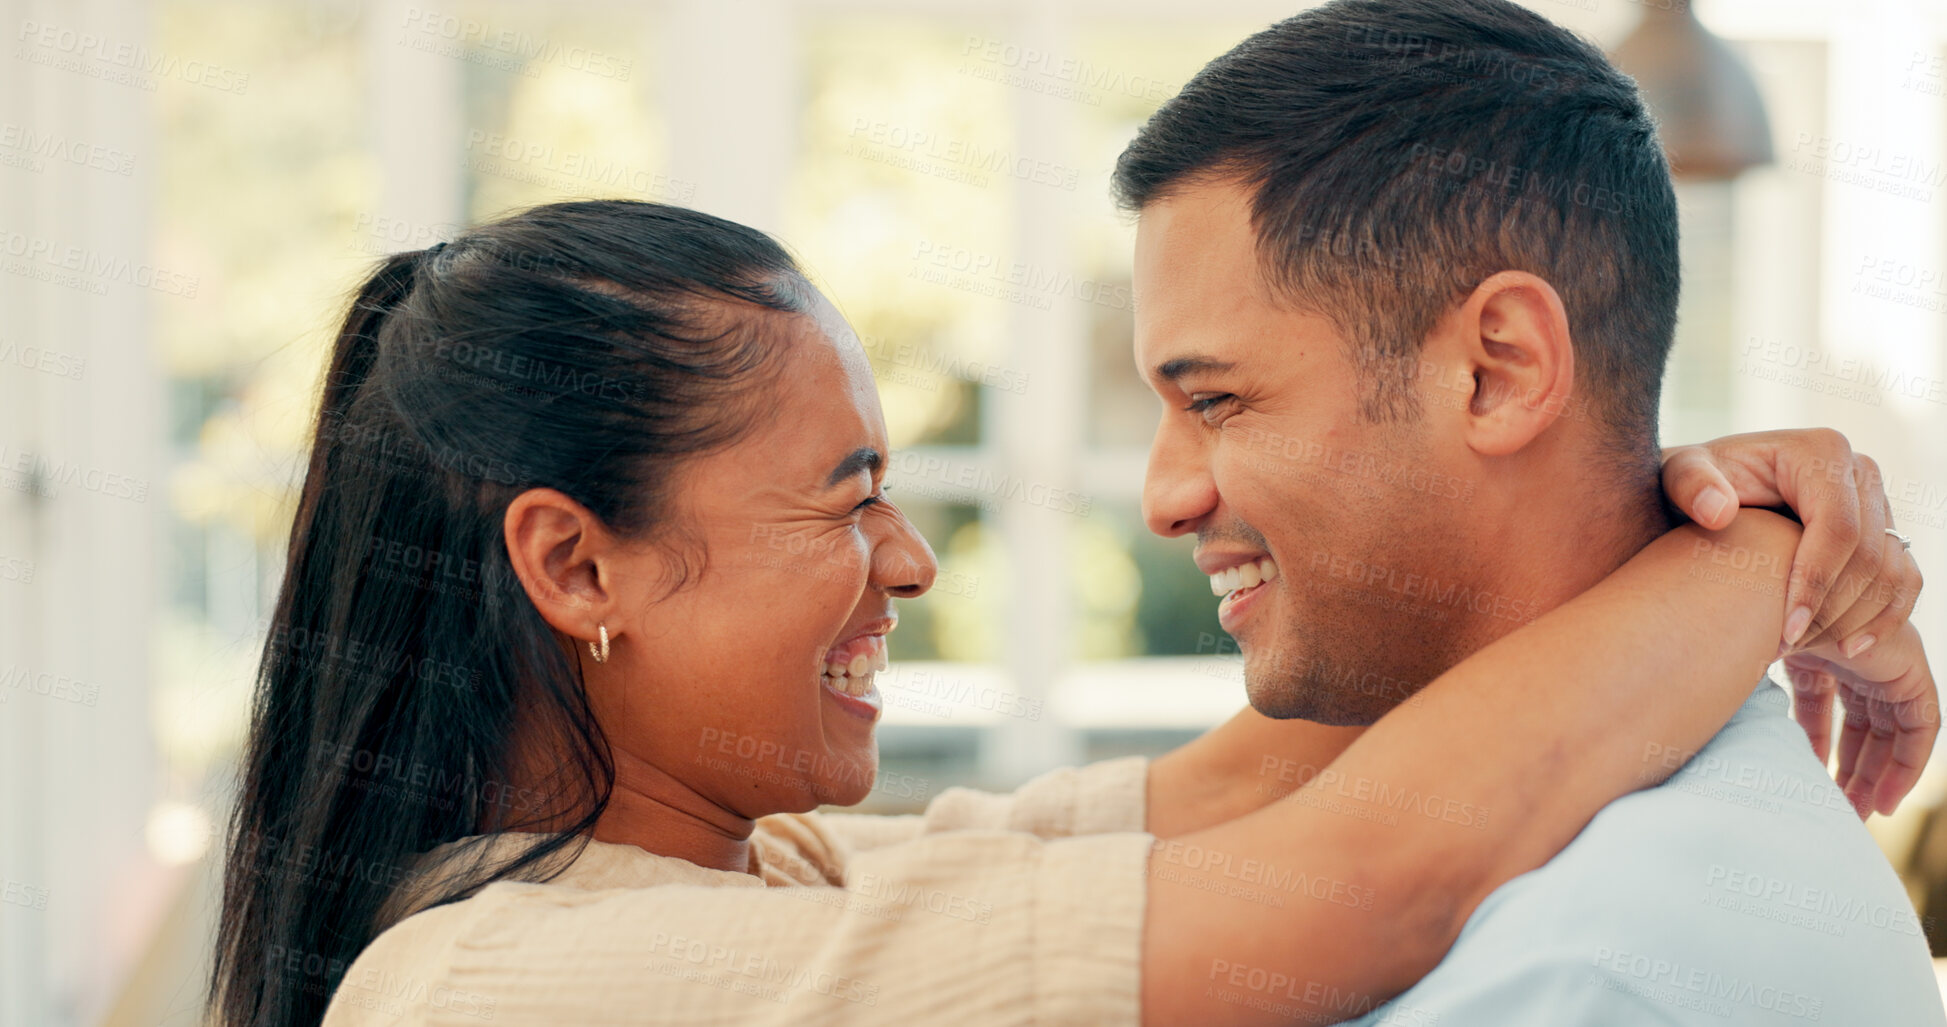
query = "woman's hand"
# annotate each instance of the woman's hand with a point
(1892, 715)
(1851, 585)
(1843, 585)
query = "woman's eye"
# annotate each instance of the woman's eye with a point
(1206, 404)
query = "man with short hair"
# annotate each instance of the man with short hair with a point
(1426, 251)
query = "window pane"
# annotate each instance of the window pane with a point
(899, 212)
(557, 105)
(260, 197)
(1136, 594)
(956, 618)
(1129, 71)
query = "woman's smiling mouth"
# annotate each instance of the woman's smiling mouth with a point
(849, 671)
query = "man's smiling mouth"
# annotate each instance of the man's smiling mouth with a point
(1243, 577)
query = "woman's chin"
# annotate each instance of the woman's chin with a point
(843, 795)
(848, 778)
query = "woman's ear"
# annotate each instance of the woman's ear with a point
(562, 553)
(1512, 336)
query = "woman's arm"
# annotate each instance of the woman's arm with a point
(1840, 497)
(1843, 569)
(1238, 767)
(1097, 798)
(1521, 743)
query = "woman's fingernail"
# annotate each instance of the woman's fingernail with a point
(1712, 503)
(1859, 644)
(1796, 624)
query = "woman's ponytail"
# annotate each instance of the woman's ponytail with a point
(357, 346)
(354, 354)
(356, 349)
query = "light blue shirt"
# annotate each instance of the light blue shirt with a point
(1743, 890)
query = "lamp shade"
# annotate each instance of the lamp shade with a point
(1710, 117)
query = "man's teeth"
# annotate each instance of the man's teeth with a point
(1245, 575)
(855, 678)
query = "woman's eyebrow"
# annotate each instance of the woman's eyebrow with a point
(864, 458)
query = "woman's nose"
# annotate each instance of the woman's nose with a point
(902, 563)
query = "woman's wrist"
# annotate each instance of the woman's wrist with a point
(1753, 554)
(1237, 767)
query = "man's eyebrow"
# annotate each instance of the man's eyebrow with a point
(864, 458)
(1171, 370)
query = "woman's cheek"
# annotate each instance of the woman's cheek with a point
(834, 555)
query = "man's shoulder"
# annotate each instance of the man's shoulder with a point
(1742, 815)
(1743, 887)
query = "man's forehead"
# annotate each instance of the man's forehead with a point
(1185, 343)
(1196, 279)
(1197, 225)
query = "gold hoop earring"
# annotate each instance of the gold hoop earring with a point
(600, 655)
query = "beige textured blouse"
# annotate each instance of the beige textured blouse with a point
(988, 909)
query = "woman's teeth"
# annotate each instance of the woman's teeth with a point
(1244, 575)
(854, 676)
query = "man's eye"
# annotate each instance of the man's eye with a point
(876, 497)
(1206, 404)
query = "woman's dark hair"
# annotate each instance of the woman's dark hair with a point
(586, 347)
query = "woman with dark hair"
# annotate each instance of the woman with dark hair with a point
(586, 588)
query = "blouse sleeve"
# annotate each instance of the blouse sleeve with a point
(1093, 799)
(967, 927)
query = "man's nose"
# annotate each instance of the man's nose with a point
(1178, 491)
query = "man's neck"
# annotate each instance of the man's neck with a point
(1571, 541)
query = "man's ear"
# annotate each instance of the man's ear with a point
(1511, 337)
(561, 553)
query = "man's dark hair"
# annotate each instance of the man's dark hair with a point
(1402, 151)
